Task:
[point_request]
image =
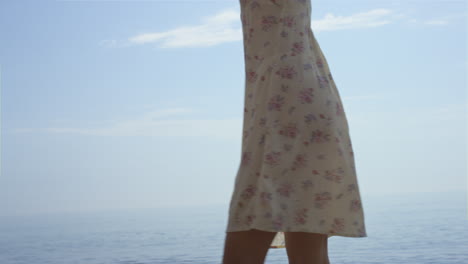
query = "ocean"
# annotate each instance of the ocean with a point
(417, 228)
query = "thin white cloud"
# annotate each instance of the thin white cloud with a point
(436, 22)
(225, 26)
(440, 21)
(369, 19)
(220, 28)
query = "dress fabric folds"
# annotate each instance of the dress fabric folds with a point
(297, 170)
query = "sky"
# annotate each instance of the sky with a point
(109, 105)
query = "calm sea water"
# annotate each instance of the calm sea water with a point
(411, 228)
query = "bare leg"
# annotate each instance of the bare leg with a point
(306, 248)
(247, 247)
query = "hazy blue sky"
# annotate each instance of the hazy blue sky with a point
(133, 104)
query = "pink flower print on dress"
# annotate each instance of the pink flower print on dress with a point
(307, 66)
(248, 35)
(322, 199)
(337, 226)
(257, 174)
(319, 63)
(334, 175)
(245, 134)
(249, 192)
(252, 112)
(249, 219)
(246, 158)
(362, 231)
(309, 118)
(278, 222)
(271, 67)
(319, 136)
(268, 22)
(339, 150)
(297, 48)
(261, 141)
(265, 198)
(355, 205)
(340, 132)
(324, 117)
(260, 59)
(301, 216)
(243, 18)
(290, 130)
(328, 119)
(273, 158)
(254, 4)
(305, 95)
(285, 189)
(276, 102)
(288, 21)
(307, 184)
(286, 72)
(323, 81)
(339, 109)
(352, 187)
(299, 162)
(251, 76)
(276, 123)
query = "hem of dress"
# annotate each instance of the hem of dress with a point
(295, 230)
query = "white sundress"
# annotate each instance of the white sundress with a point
(297, 170)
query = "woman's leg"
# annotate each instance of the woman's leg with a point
(247, 247)
(306, 248)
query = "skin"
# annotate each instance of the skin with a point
(251, 247)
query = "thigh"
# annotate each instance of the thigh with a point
(247, 246)
(306, 246)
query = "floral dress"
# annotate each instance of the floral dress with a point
(297, 170)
